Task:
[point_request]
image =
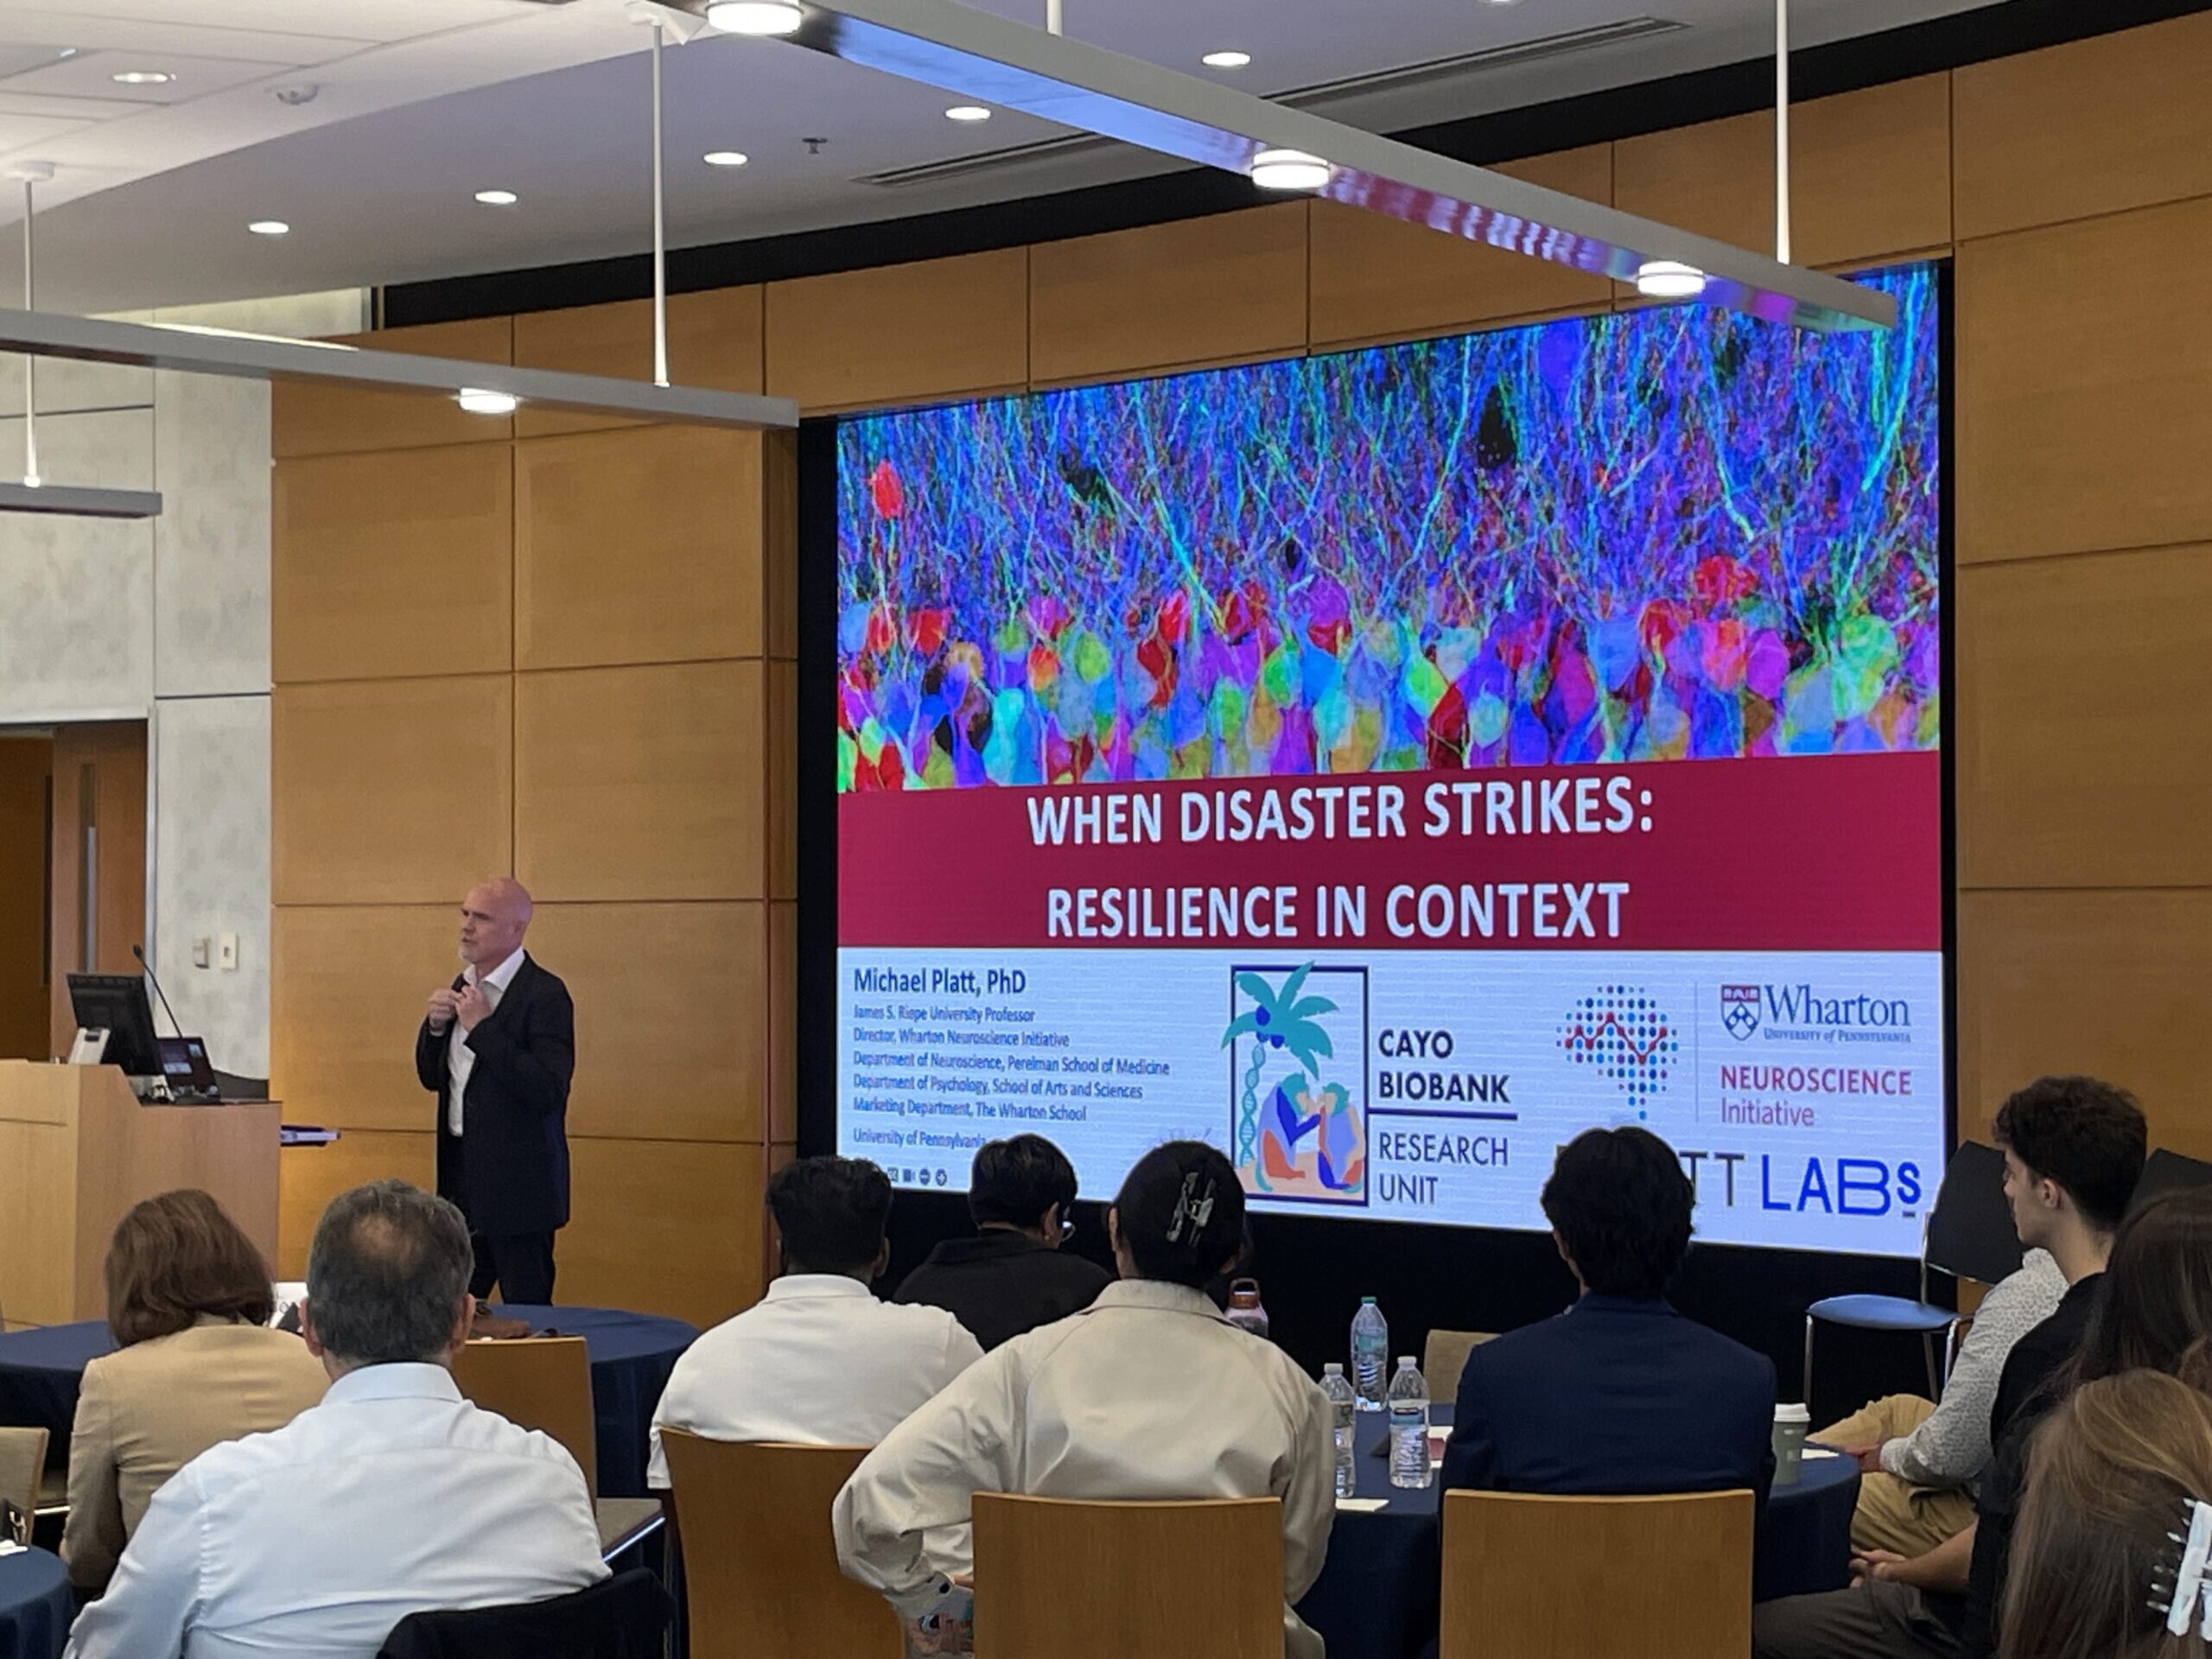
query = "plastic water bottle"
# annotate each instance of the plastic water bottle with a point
(1245, 1310)
(1342, 1406)
(1370, 1354)
(1409, 1464)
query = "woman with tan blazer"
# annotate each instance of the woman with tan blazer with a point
(188, 1302)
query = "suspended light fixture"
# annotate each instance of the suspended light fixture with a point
(1669, 279)
(35, 495)
(755, 16)
(1000, 64)
(1288, 170)
(480, 400)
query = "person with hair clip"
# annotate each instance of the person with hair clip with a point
(2110, 1552)
(1148, 1394)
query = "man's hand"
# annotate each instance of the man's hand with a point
(1881, 1563)
(1868, 1457)
(471, 1007)
(445, 1003)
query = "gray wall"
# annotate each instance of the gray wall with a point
(166, 621)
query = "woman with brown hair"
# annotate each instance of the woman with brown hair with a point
(2109, 1558)
(188, 1303)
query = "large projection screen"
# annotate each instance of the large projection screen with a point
(1386, 764)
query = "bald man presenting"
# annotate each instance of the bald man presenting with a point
(500, 1047)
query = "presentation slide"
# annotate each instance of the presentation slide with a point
(1387, 765)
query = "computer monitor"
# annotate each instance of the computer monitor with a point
(118, 1003)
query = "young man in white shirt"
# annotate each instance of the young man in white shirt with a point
(393, 1495)
(818, 1360)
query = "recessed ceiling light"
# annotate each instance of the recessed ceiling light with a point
(1669, 279)
(755, 16)
(497, 198)
(142, 78)
(270, 228)
(477, 401)
(967, 112)
(1226, 60)
(725, 158)
(1288, 170)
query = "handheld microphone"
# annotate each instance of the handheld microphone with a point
(138, 952)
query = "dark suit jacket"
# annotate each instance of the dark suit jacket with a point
(1000, 1284)
(1614, 1397)
(509, 1170)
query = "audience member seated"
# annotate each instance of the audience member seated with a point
(1920, 1462)
(393, 1495)
(1149, 1393)
(1011, 1276)
(2073, 1149)
(188, 1303)
(818, 1360)
(1620, 1394)
(2117, 1474)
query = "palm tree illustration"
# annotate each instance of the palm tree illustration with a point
(1278, 1020)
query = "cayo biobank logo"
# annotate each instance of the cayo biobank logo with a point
(1799, 1013)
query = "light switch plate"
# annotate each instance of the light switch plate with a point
(227, 952)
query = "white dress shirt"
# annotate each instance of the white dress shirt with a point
(818, 1361)
(393, 1495)
(1149, 1393)
(460, 1058)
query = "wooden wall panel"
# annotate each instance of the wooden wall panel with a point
(714, 339)
(1376, 278)
(308, 1178)
(100, 767)
(391, 791)
(638, 546)
(385, 565)
(781, 793)
(26, 1018)
(783, 1022)
(347, 989)
(780, 542)
(640, 783)
(2118, 121)
(1225, 289)
(671, 1016)
(664, 1227)
(2082, 364)
(2084, 758)
(1869, 176)
(936, 329)
(308, 417)
(2118, 984)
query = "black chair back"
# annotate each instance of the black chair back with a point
(2168, 1171)
(1970, 1231)
(622, 1617)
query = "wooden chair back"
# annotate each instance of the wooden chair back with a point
(1444, 1355)
(759, 1559)
(542, 1382)
(1096, 1581)
(22, 1461)
(1533, 1577)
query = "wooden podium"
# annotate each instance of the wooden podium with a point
(77, 1150)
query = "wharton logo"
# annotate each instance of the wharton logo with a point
(1739, 1011)
(1799, 1014)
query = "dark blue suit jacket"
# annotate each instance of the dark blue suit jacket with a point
(1613, 1398)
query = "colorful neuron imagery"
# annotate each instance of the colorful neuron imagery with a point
(1674, 534)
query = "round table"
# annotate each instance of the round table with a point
(1378, 1595)
(632, 1355)
(36, 1605)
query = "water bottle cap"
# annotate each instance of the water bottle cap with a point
(1367, 1301)
(1334, 1368)
(1405, 1362)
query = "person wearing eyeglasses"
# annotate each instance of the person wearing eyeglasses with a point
(1012, 1275)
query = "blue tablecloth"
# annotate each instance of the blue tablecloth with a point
(1377, 1597)
(632, 1355)
(35, 1605)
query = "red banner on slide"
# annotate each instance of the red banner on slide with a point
(1797, 852)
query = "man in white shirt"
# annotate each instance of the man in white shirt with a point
(393, 1495)
(818, 1360)
(498, 1046)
